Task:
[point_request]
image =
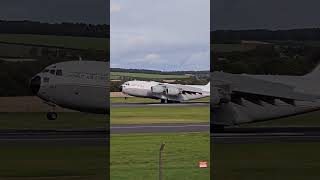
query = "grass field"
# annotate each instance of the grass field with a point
(39, 121)
(63, 41)
(294, 161)
(137, 115)
(232, 47)
(146, 100)
(135, 156)
(115, 75)
(152, 115)
(56, 162)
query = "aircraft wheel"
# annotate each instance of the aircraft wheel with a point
(173, 102)
(216, 128)
(163, 101)
(52, 116)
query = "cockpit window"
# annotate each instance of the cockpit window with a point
(52, 71)
(59, 72)
(45, 70)
(45, 79)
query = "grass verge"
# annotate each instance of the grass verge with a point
(294, 161)
(135, 156)
(153, 115)
(53, 162)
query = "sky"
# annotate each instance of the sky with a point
(166, 35)
(264, 14)
(56, 11)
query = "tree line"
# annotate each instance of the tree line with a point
(235, 36)
(58, 29)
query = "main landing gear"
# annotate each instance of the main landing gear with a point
(164, 101)
(52, 115)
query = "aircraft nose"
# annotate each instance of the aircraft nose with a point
(35, 84)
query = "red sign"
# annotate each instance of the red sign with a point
(203, 164)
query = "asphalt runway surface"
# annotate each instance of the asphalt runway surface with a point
(65, 137)
(267, 135)
(184, 104)
(91, 136)
(101, 136)
(160, 128)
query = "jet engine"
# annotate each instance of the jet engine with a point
(220, 94)
(172, 91)
(158, 89)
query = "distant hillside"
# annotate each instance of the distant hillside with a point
(58, 29)
(235, 36)
(158, 72)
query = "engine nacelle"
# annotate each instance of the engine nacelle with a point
(220, 95)
(172, 91)
(158, 89)
(215, 99)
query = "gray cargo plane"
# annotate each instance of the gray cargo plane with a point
(242, 98)
(77, 85)
(167, 93)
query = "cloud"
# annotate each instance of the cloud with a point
(152, 56)
(153, 35)
(115, 8)
(198, 60)
(136, 40)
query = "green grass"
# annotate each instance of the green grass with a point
(64, 121)
(115, 75)
(147, 100)
(64, 162)
(232, 47)
(152, 115)
(294, 161)
(63, 41)
(135, 156)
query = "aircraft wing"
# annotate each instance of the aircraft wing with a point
(186, 89)
(247, 86)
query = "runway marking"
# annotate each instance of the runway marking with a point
(256, 134)
(156, 126)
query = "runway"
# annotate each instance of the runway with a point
(101, 136)
(91, 136)
(65, 137)
(267, 135)
(184, 104)
(160, 128)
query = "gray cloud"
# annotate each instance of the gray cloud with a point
(87, 11)
(264, 14)
(161, 35)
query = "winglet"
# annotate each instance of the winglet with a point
(315, 73)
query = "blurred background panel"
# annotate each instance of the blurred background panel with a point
(36, 35)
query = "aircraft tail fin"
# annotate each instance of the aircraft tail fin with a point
(315, 73)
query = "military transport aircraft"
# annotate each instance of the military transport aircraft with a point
(167, 93)
(77, 85)
(242, 98)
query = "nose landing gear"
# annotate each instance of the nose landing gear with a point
(52, 115)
